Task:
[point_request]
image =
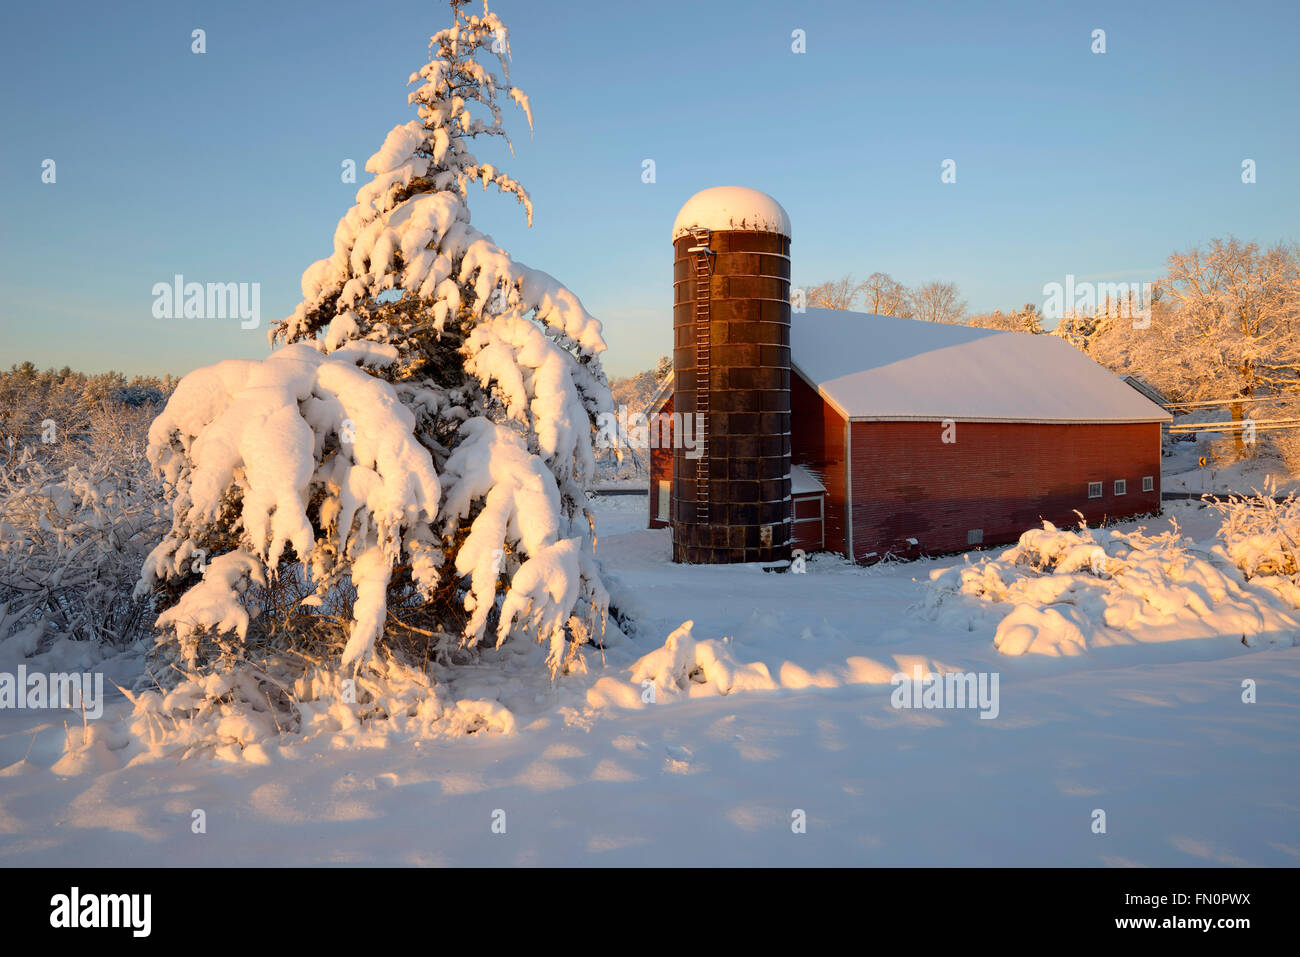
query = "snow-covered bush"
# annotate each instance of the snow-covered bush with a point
(413, 460)
(1261, 535)
(684, 662)
(77, 517)
(1059, 592)
(243, 714)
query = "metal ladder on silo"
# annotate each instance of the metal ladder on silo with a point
(703, 347)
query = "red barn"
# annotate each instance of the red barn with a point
(911, 438)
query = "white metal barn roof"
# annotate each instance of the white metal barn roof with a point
(878, 368)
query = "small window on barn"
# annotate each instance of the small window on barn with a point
(975, 536)
(1094, 490)
(661, 512)
(1121, 486)
(1148, 483)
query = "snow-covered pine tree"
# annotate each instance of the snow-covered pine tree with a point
(423, 437)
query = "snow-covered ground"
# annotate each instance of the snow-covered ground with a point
(1244, 477)
(1150, 729)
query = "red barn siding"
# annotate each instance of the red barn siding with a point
(661, 461)
(1003, 478)
(817, 435)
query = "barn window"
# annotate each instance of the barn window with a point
(1148, 483)
(1121, 486)
(1094, 490)
(975, 536)
(661, 512)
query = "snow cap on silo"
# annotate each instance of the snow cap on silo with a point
(732, 208)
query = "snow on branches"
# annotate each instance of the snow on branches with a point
(247, 447)
(71, 541)
(553, 570)
(1261, 534)
(409, 230)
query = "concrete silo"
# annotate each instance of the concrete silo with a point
(731, 359)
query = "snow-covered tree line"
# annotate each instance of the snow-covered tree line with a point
(632, 393)
(41, 408)
(411, 462)
(1025, 319)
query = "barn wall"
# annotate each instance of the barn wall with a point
(661, 463)
(817, 443)
(1001, 478)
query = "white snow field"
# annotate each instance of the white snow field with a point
(789, 711)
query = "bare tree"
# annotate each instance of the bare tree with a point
(836, 294)
(938, 302)
(886, 296)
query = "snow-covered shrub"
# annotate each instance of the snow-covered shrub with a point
(77, 517)
(1261, 535)
(417, 451)
(254, 714)
(684, 662)
(1059, 592)
(239, 714)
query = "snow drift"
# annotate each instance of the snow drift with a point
(1063, 593)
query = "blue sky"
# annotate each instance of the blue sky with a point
(224, 167)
